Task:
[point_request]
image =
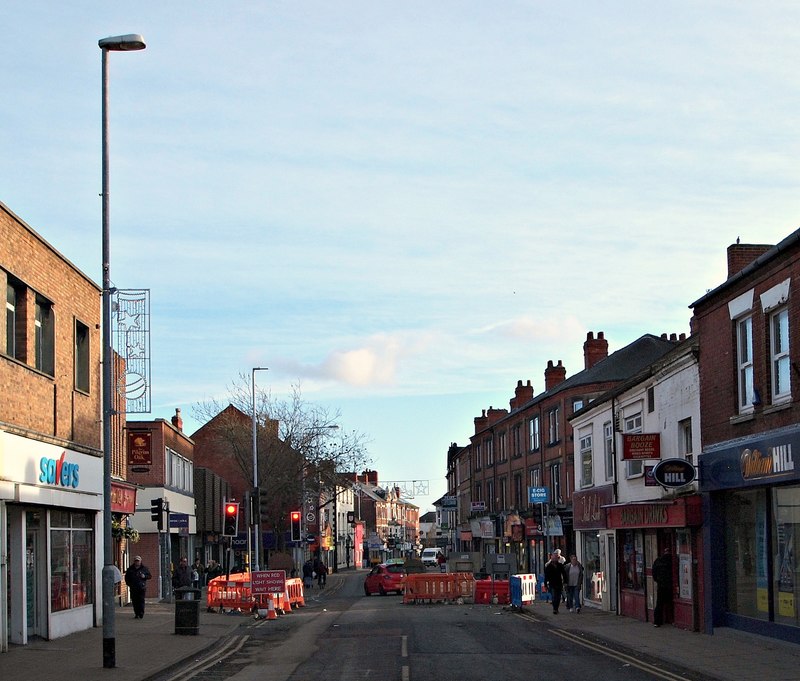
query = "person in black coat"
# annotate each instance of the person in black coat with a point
(662, 576)
(554, 579)
(136, 577)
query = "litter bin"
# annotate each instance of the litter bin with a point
(187, 611)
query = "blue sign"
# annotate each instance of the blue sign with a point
(537, 495)
(180, 520)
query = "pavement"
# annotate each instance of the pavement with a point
(141, 653)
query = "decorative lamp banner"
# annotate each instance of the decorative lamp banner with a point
(641, 446)
(140, 448)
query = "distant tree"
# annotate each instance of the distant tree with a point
(303, 453)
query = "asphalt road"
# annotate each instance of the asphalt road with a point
(343, 635)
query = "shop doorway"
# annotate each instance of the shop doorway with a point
(35, 594)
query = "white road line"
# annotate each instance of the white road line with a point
(404, 646)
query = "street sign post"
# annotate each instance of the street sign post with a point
(268, 582)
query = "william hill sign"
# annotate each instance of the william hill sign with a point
(674, 473)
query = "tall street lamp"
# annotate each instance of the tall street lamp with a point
(256, 505)
(119, 43)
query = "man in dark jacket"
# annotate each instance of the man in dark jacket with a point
(136, 577)
(554, 579)
(662, 576)
(182, 575)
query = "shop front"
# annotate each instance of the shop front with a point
(643, 530)
(753, 492)
(589, 518)
(52, 503)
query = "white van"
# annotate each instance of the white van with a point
(430, 557)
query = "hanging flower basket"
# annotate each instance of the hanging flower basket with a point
(120, 532)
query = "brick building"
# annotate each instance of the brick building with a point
(51, 459)
(749, 358)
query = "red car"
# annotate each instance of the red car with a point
(385, 578)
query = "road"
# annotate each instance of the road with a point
(344, 636)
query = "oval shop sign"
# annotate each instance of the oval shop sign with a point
(674, 473)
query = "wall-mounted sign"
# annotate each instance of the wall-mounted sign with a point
(59, 472)
(674, 473)
(477, 505)
(636, 446)
(140, 451)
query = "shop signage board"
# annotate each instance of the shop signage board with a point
(674, 473)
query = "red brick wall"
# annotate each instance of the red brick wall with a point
(718, 365)
(44, 404)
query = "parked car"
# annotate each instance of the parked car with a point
(430, 557)
(384, 578)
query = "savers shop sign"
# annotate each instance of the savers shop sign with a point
(59, 472)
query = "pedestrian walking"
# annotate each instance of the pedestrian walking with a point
(136, 577)
(322, 572)
(182, 575)
(198, 574)
(308, 574)
(554, 579)
(662, 576)
(573, 575)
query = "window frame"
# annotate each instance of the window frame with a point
(553, 434)
(608, 449)
(534, 433)
(586, 461)
(632, 426)
(779, 346)
(82, 362)
(744, 365)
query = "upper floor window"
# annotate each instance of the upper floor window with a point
(685, 438)
(552, 420)
(577, 404)
(533, 434)
(502, 453)
(516, 443)
(779, 351)
(633, 424)
(502, 497)
(744, 355)
(651, 399)
(477, 457)
(518, 497)
(585, 453)
(489, 451)
(608, 449)
(490, 500)
(478, 492)
(179, 471)
(557, 495)
(535, 477)
(81, 357)
(15, 319)
(44, 337)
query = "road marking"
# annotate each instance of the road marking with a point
(622, 657)
(404, 646)
(230, 647)
(404, 673)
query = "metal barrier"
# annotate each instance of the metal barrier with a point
(523, 589)
(437, 587)
(233, 594)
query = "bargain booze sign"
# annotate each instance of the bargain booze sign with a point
(641, 446)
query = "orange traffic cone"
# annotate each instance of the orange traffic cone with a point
(287, 602)
(271, 614)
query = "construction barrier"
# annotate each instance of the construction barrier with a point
(523, 589)
(437, 587)
(492, 591)
(233, 594)
(544, 594)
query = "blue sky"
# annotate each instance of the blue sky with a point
(404, 207)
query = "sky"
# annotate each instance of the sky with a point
(403, 208)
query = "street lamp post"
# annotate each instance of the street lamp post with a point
(120, 43)
(255, 505)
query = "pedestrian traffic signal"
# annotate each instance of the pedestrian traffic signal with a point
(157, 512)
(230, 520)
(294, 518)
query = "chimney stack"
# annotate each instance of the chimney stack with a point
(522, 395)
(741, 255)
(553, 375)
(594, 349)
(177, 421)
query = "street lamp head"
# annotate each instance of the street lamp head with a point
(122, 43)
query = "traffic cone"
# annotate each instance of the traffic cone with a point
(271, 614)
(287, 602)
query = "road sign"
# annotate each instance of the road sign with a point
(537, 495)
(268, 582)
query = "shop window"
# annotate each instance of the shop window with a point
(785, 539)
(594, 578)
(746, 554)
(633, 560)
(71, 560)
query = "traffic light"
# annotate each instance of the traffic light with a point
(294, 518)
(263, 505)
(230, 519)
(157, 512)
